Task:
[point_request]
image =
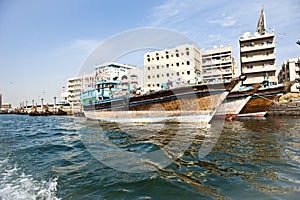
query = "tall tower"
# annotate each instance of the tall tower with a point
(257, 54)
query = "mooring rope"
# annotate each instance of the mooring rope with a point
(285, 104)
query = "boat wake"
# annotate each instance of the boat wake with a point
(16, 185)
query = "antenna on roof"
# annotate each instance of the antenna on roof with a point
(261, 24)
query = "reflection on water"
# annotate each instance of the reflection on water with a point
(55, 157)
(251, 153)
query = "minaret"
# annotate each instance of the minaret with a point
(261, 25)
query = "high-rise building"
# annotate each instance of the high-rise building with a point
(290, 71)
(218, 65)
(257, 54)
(171, 67)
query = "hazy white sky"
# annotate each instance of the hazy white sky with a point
(42, 43)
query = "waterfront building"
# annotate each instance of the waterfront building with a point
(76, 85)
(290, 71)
(64, 95)
(73, 90)
(218, 65)
(0, 101)
(5, 107)
(257, 54)
(129, 76)
(171, 67)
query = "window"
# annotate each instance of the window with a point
(177, 64)
(167, 65)
(177, 54)
(188, 62)
(177, 73)
(149, 77)
(157, 58)
(157, 84)
(149, 85)
(188, 72)
(167, 56)
(148, 68)
(167, 74)
(187, 53)
(148, 59)
(182, 72)
(157, 75)
(157, 66)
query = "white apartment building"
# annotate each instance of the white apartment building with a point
(218, 65)
(130, 76)
(76, 85)
(290, 71)
(171, 67)
(257, 54)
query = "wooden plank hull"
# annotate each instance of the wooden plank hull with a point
(260, 102)
(232, 106)
(187, 104)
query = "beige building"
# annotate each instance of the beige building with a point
(257, 54)
(218, 65)
(171, 67)
(290, 71)
(76, 85)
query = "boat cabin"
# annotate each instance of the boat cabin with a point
(103, 90)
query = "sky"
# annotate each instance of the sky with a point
(44, 42)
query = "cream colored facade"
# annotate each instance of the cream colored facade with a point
(76, 85)
(290, 71)
(218, 65)
(258, 58)
(172, 67)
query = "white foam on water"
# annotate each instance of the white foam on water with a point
(16, 185)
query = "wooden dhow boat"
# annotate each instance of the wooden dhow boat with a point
(195, 103)
(263, 98)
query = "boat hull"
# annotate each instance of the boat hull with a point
(187, 104)
(261, 101)
(232, 106)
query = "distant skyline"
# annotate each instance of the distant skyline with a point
(42, 43)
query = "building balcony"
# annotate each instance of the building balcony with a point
(257, 47)
(258, 58)
(216, 62)
(259, 69)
